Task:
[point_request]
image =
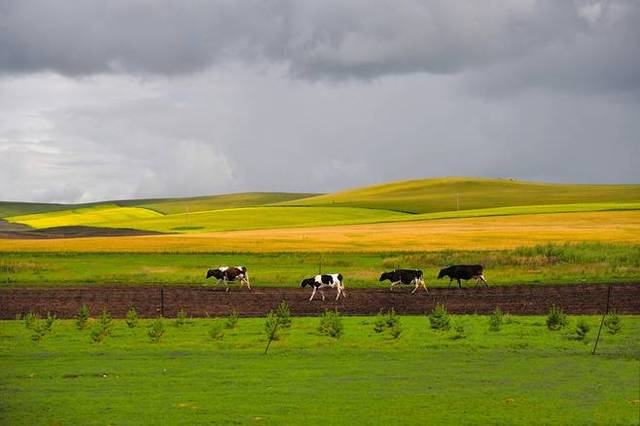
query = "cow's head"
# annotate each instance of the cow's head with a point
(443, 272)
(385, 276)
(211, 273)
(307, 282)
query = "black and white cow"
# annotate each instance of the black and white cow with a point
(323, 281)
(406, 277)
(463, 272)
(224, 274)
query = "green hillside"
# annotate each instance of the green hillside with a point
(209, 221)
(449, 194)
(91, 216)
(10, 208)
(215, 202)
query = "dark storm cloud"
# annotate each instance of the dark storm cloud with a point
(118, 99)
(582, 45)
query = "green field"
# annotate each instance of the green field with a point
(92, 216)
(546, 264)
(217, 202)
(209, 221)
(8, 208)
(451, 194)
(112, 216)
(393, 202)
(522, 374)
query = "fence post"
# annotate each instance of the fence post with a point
(595, 346)
(162, 302)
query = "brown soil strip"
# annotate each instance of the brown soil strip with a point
(13, 231)
(206, 301)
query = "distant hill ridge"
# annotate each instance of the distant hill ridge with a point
(464, 193)
(410, 196)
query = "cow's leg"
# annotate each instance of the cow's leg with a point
(313, 293)
(450, 279)
(459, 283)
(339, 290)
(246, 279)
(416, 284)
(344, 293)
(322, 293)
(424, 285)
(484, 281)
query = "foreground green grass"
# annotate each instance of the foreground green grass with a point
(464, 193)
(546, 264)
(523, 374)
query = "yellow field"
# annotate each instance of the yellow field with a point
(471, 233)
(86, 216)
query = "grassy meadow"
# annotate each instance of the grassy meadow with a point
(522, 374)
(283, 237)
(545, 264)
(451, 194)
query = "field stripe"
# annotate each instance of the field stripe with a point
(505, 232)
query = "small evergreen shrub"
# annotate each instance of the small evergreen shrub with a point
(39, 329)
(271, 326)
(181, 318)
(439, 318)
(104, 321)
(331, 324)
(459, 332)
(582, 329)
(30, 320)
(395, 330)
(232, 320)
(556, 319)
(98, 333)
(48, 322)
(132, 318)
(612, 322)
(388, 321)
(496, 319)
(216, 330)
(284, 313)
(156, 330)
(82, 317)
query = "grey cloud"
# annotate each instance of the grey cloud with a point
(584, 43)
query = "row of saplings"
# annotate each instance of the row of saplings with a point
(279, 319)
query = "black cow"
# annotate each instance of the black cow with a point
(224, 274)
(320, 282)
(463, 272)
(406, 277)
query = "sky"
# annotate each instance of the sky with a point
(155, 98)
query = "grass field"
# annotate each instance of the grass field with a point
(523, 374)
(451, 194)
(217, 202)
(96, 215)
(482, 233)
(112, 216)
(548, 264)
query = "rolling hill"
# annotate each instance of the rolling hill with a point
(451, 194)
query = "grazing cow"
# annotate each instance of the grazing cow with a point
(320, 282)
(224, 274)
(464, 272)
(406, 277)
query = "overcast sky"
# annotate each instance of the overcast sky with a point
(121, 99)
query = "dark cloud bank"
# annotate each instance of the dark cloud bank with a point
(106, 99)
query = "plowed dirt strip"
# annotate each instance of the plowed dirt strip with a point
(203, 301)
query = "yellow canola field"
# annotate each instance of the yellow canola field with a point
(503, 232)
